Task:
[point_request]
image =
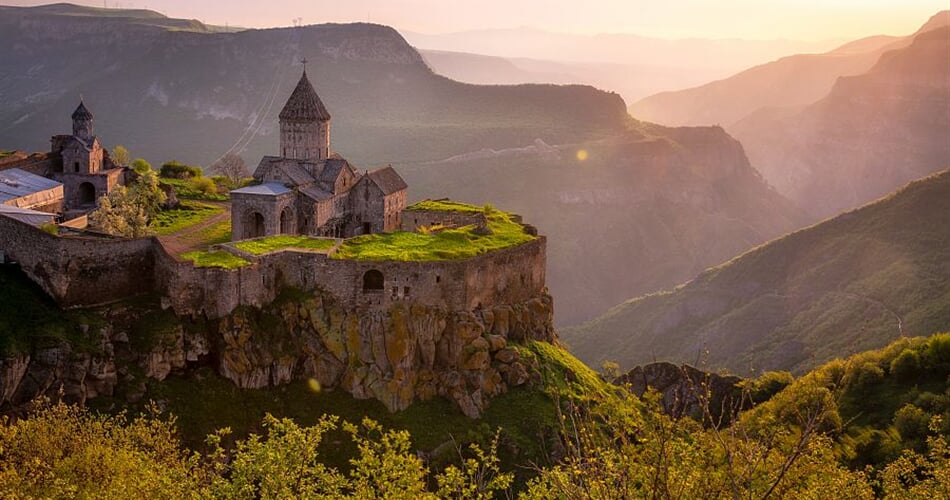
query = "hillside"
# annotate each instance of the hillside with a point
(851, 283)
(189, 95)
(870, 134)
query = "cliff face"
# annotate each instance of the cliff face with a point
(406, 353)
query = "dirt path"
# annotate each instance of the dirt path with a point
(185, 241)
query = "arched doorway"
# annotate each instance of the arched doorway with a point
(254, 225)
(286, 221)
(87, 193)
(372, 281)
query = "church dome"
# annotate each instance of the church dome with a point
(304, 104)
(81, 113)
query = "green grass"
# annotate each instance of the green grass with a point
(445, 206)
(214, 234)
(451, 244)
(218, 258)
(274, 243)
(188, 214)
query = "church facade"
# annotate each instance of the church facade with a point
(84, 167)
(307, 190)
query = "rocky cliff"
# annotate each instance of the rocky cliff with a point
(398, 356)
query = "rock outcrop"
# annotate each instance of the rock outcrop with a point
(685, 390)
(397, 356)
(407, 353)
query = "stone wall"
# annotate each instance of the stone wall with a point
(506, 276)
(80, 271)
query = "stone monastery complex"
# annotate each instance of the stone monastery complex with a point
(374, 319)
(305, 191)
(309, 191)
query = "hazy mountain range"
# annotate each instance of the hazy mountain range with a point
(673, 200)
(835, 130)
(632, 65)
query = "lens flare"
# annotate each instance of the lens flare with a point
(581, 154)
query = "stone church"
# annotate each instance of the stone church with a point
(85, 168)
(307, 190)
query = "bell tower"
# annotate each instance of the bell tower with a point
(82, 123)
(304, 124)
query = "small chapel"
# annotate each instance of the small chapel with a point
(85, 168)
(307, 190)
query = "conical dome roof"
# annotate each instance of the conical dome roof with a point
(81, 113)
(304, 104)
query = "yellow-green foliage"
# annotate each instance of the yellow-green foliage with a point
(282, 242)
(448, 206)
(217, 258)
(460, 243)
(65, 452)
(880, 402)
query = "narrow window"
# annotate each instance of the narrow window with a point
(438, 279)
(405, 291)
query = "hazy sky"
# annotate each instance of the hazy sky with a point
(751, 19)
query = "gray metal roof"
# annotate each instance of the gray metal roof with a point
(266, 189)
(33, 217)
(16, 183)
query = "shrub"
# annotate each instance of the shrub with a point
(204, 185)
(769, 384)
(176, 170)
(906, 365)
(140, 166)
(868, 375)
(911, 422)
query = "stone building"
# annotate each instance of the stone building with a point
(84, 166)
(310, 191)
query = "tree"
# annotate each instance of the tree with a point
(126, 212)
(140, 166)
(120, 155)
(231, 166)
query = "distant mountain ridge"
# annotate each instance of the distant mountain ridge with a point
(851, 283)
(871, 133)
(669, 195)
(833, 131)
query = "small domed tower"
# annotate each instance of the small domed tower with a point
(82, 123)
(304, 124)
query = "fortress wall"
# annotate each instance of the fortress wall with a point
(78, 271)
(512, 275)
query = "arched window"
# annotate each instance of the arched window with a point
(372, 281)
